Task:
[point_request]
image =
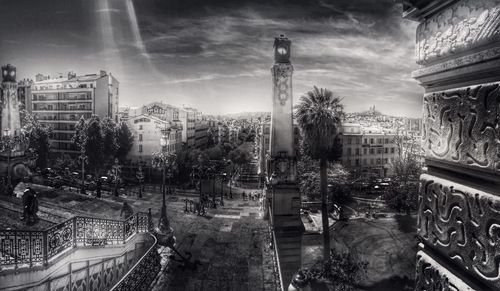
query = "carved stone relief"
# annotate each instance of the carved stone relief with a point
(282, 79)
(463, 224)
(463, 126)
(432, 276)
(464, 25)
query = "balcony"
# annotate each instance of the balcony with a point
(86, 99)
(63, 110)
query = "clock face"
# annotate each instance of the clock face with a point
(5, 72)
(12, 73)
(282, 50)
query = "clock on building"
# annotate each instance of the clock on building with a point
(282, 49)
(9, 73)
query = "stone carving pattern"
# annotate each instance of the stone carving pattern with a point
(463, 224)
(431, 276)
(282, 78)
(463, 126)
(464, 25)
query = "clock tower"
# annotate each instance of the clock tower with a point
(281, 165)
(11, 119)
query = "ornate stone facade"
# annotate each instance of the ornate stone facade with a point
(432, 276)
(458, 49)
(282, 74)
(464, 25)
(463, 126)
(463, 224)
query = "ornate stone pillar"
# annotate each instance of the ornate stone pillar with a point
(458, 50)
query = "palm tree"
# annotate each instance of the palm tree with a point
(319, 116)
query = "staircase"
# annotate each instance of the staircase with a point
(80, 253)
(249, 173)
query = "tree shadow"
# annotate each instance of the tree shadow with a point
(392, 283)
(406, 223)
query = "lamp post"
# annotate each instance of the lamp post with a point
(8, 144)
(223, 178)
(231, 180)
(83, 160)
(273, 181)
(140, 179)
(164, 160)
(164, 142)
(115, 173)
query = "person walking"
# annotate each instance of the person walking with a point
(126, 210)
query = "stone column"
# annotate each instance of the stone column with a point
(458, 50)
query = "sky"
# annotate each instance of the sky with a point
(216, 55)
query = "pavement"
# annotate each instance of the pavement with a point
(387, 244)
(231, 244)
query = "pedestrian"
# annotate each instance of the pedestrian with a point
(98, 188)
(30, 206)
(126, 210)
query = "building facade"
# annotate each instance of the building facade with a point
(61, 102)
(367, 152)
(147, 131)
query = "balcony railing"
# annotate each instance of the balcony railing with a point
(61, 109)
(24, 248)
(142, 274)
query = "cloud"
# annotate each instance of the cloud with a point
(217, 49)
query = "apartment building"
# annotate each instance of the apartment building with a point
(187, 116)
(148, 131)
(61, 102)
(367, 151)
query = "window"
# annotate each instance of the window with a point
(364, 162)
(140, 137)
(357, 140)
(365, 141)
(372, 151)
(140, 127)
(386, 161)
(349, 140)
(371, 161)
(386, 150)
(371, 140)
(365, 151)
(357, 162)
(379, 141)
(140, 148)
(349, 151)
(357, 152)
(378, 161)
(379, 150)
(386, 140)
(392, 150)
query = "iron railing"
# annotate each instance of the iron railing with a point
(276, 261)
(25, 248)
(142, 274)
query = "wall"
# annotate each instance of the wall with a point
(458, 50)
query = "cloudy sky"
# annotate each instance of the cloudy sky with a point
(216, 55)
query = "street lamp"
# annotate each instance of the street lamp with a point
(223, 178)
(83, 160)
(163, 160)
(140, 179)
(115, 173)
(231, 180)
(164, 142)
(273, 181)
(8, 146)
